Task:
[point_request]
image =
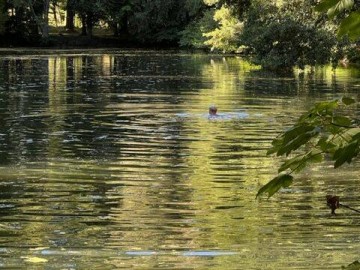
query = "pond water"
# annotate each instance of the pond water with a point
(109, 161)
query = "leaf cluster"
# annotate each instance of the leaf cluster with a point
(350, 25)
(323, 132)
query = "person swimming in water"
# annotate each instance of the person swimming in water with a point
(213, 111)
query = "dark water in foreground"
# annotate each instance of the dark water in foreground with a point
(108, 161)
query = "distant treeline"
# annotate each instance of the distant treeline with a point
(278, 34)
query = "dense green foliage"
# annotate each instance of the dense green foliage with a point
(226, 36)
(282, 37)
(160, 21)
(325, 132)
(278, 34)
(193, 34)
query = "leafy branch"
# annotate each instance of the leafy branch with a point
(350, 25)
(320, 133)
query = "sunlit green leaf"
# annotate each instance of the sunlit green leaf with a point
(327, 106)
(315, 156)
(345, 4)
(325, 145)
(292, 163)
(346, 136)
(345, 154)
(296, 131)
(325, 5)
(280, 181)
(340, 6)
(298, 163)
(341, 121)
(293, 145)
(350, 25)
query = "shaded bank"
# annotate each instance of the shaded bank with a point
(64, 41)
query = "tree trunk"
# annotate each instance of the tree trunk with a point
(39, 22)
(45, 26)
(124, 28)
(83, 25)
(115, 28)
(3, 16)
(70, 16)
(89, 24)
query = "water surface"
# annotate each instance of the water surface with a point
(109, 161)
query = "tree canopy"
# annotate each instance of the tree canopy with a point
(277, 35)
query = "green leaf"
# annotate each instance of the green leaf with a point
(340, 6)
(276, 144)
(341, 121)
(347, 136)
(356, 134)
(292, 163)
(326, 107)
(294, 132)
(353, 266)
(347, 101)
(326, 146)
(283, 180)
(354, 34)
(345, 154)
(325, 5)
(298, 163)
(315, 156)
(350, 25)
(299, 141)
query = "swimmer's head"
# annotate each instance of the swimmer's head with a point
(212, 110)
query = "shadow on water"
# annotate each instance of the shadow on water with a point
(110, 160)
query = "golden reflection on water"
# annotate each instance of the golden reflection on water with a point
(117, 165)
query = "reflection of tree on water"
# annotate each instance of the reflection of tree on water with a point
(113, 167)
(22, 92)
(104, 120)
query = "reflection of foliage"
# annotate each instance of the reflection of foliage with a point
(322, 132)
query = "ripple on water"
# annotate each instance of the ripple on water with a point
(110, 161)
